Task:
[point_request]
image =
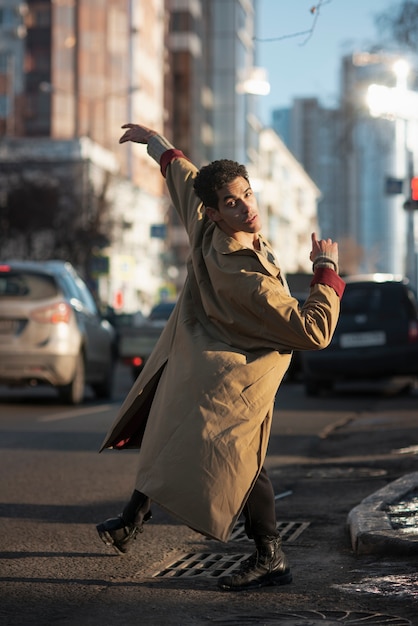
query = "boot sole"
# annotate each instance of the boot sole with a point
(284, 578)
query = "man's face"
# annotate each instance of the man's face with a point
(237, 210)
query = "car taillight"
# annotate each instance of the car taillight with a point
(413, 331)
(136, 361)
(53, 314)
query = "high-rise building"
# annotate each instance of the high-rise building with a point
(211, 108)
(12, 54)
(313, 134)
(380, 153)
(212, 112)
(71, 73)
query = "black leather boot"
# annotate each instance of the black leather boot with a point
(120, 532)
(267, 566)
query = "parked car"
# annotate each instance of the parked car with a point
(121, 321)
(376, 335)
(51, 331)
(162, 311)
(136, 342)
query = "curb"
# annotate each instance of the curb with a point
(369, 525)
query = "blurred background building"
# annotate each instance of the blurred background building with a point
(73, 71)
(363, 159)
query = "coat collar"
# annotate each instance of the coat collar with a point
(224, 244)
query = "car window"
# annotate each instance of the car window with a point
(69, 286)
(85, 296)
(27, 285)
(383, 300)
(162, 311)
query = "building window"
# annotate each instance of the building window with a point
(4, 62)
(4, 106)
(39, 16)
(181, 22)
(6, 18)
(37, 60)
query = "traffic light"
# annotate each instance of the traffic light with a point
(414, 188)
(412, 203)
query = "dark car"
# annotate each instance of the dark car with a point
(51, 331)
(162, 311)
(376, 335)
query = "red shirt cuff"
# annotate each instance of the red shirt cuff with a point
(326, 276)
(169, 156)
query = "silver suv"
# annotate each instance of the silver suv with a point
(51, 331)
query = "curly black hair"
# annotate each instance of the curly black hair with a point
(214, 176)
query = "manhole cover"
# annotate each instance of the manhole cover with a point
(311, 618)
(289, 531)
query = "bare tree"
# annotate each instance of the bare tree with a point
(52, 211)
(400, 22)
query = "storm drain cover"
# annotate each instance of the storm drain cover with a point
(289, 531)
(204, 564)
(207, 564)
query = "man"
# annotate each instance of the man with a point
(201, 409)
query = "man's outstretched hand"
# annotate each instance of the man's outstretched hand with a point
(137, 133)
(325, 247)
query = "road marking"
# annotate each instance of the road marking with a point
(75, 413)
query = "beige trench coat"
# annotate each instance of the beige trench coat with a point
(201, 409)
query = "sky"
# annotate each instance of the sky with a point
(309, 65)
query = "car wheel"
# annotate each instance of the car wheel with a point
(73, 393)
(104, 389)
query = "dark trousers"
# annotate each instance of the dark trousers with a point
(136, 509)
(260, 509)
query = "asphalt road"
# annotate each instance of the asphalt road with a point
(325, 456)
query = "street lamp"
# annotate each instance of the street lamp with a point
(254, 82)
(397, 102)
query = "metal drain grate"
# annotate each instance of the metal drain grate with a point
(289, 531)
(203, 564)
(207, 564)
